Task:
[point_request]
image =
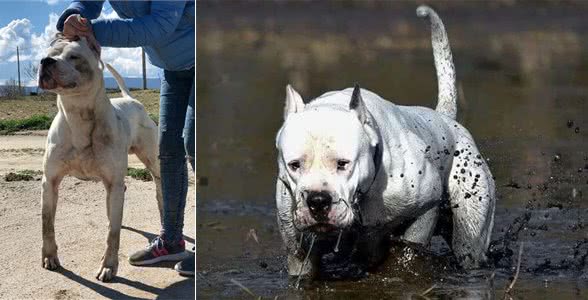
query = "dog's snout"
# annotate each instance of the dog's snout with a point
(319, 204)
(47, 61)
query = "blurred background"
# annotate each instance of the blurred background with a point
(522, 70)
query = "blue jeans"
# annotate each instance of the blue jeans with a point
(176, 143)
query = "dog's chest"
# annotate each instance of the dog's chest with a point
(84, 164)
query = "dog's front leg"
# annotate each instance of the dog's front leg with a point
(49, 205)
(292, 238)
(422, 229)
(114, 208)
(298, 266)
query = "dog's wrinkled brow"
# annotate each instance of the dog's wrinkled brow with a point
(54, 41)
(56, 50)
(58, 45)
(62, 39)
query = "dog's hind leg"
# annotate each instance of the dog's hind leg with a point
(50, 186)
(114, 203)
(472, 201)
(148, 153)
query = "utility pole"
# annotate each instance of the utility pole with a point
(18, 68)
(144, 69)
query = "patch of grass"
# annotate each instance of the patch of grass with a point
(36, 112)
(149, 99)
(31, 172)
(24, 175)
(139, 174)
(27, 106)
(35, 122)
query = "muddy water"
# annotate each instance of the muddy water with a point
(523, 75)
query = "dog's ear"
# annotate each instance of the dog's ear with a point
(294, 103)
(93, 47)
(357, 105)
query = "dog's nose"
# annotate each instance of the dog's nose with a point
(47, 61)
(319, 204)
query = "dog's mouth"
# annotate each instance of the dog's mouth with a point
(322, 228)
(48, 82)
(70, 85)
(339, 217)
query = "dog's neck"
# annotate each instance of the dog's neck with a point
(84, 111)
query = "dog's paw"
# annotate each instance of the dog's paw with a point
(106, 274)
(297, 267)
(51, 262)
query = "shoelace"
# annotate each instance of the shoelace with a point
(157, 242)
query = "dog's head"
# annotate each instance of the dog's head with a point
(69, 66)
(326, 156)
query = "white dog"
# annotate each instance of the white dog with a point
(90, 139)
(355, 168)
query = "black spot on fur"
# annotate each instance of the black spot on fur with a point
(570, 123)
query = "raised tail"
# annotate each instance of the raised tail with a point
(119, 80)
(447, 97)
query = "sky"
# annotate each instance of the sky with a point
(30, 25)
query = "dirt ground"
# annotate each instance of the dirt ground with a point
(81, 229)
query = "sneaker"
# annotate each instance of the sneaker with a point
(186, 266)
(158, 251)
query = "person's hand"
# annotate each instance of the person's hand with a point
(76, 27)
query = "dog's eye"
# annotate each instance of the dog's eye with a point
(342, 164)
(74, 57)
(294, 165)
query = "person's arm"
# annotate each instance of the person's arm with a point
(162, 20)
(87, 9)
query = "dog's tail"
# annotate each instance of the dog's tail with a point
(447, 92)
(119, 80)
